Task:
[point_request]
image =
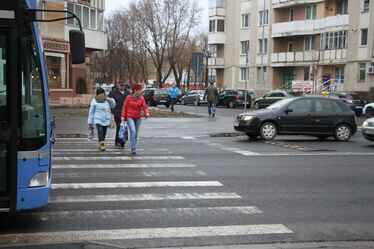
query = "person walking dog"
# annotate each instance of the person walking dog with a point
(100, 115)
(131, 113)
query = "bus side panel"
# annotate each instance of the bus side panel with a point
(28, 167)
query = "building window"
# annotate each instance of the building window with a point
(290, 15)
(290, 46)
(90, 17)
(245, 21)
(263, 17)
(261, 75)
(366, 5)
(361, 71)
(263, 46)
(217, 4)
(212, 26)
(56, 71)
(309, 43)
(306, 73)
(342, 7)
(244, 46)
(334, 40)
(310, 12)
(244, 74)
(220, 25)
(364, 37)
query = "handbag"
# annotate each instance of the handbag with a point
(90, 135)
(112, 122)
(122, 131)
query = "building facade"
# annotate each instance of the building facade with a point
(292, 44)
(68, 83)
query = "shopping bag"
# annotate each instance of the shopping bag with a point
(112, 122)
(122, 131)
(90, 135)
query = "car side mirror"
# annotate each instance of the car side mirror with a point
(77, 46)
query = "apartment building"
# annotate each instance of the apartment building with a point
(69, 83)
(299, 44)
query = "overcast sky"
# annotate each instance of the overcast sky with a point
(111, 5)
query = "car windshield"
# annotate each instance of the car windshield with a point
(279, 104)
(161, 91)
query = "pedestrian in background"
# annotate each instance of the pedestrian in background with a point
(131, 113)
(100, 115)
(119, 94)
(173, 93)
(211, 93)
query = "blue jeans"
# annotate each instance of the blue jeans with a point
(133, 127)
(211, 107)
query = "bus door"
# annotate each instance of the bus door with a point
(8, 127)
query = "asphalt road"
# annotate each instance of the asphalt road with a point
(194, 190)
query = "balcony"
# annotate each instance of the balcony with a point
(216, 38)
(310, 27)
(307, 57)
(290, 3)
(216, 62)
(217, 12)
(94, 39)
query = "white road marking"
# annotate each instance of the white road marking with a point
(180, 212)
(96, 150)
(122, 166)
(144, 233)
(144, 197)
(107, 153)
(315, 154)
(239, 151)
(126, 173)
(188, 138)
(136, 184)
(117, 158)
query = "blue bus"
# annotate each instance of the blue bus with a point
(25, 129)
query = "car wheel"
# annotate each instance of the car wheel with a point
(268, 131)
(197, 102)
(257, 105)
(370, 112)
(231, 104)
(251, 135)
(342, 132)
(322, 137)
(167, 105)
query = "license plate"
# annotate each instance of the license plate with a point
(163, 101)
(358, 107)
(236, 123)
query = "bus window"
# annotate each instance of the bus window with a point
(33, 106)
(3, 118)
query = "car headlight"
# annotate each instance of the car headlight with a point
(365, 123)
(247, 118)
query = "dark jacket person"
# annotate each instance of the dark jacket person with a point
(119, 94)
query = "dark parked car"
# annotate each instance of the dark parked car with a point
(232, 98)
(195, 97)
(180, 95)
(316, 116)
(270, 98)
(368, 129)
(155, 96)
(352, 100)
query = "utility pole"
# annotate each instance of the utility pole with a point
(246, 74)
(262, 81)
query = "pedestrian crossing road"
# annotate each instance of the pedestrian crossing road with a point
(154, 198)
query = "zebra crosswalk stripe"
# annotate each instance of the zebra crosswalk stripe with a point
(118, 158)
(122, 166)
(136, 184)
(143, 197)
(145, 233)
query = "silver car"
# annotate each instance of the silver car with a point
(368, 129)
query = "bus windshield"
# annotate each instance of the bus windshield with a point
(33, 134)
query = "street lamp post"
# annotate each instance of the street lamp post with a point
(246, 74)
